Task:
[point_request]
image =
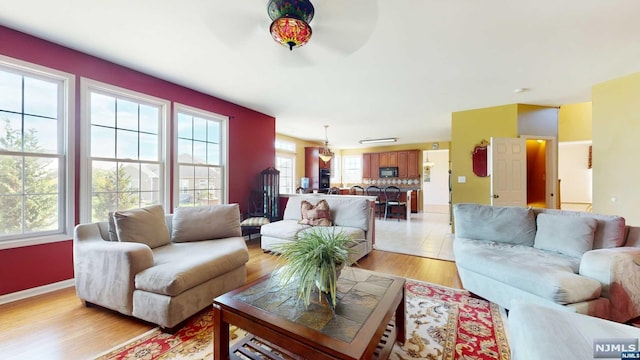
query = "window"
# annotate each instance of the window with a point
(36, 196)
(286, 164)
(201, 157)
(352, 169)
(336, 173)
(125, 160)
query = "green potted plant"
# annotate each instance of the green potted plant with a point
(314, 259)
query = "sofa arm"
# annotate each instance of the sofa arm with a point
(618, 269)
(105, 270)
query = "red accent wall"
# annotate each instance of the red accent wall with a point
(251, 145)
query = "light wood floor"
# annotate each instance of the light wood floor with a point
(57, 326)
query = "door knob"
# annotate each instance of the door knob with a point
(495, 196)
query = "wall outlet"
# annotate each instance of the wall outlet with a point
(462, 179)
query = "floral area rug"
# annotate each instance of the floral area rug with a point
(441, 323)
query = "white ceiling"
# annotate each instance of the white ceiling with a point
(373, 68)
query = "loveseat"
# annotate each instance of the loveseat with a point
(352, 214)
(160, 268)
(577, 261)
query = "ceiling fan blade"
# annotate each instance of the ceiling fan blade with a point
(344, 25)
(234, 23)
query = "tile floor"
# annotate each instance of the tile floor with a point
(423, 234)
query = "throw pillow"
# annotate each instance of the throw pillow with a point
(507, 224)
(318, 215)
(206, 222)
(144, 225)
(568, 235)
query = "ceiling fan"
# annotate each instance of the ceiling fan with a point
(340, 27)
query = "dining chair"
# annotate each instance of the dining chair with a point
(356, 190)
(392, 199)
(376, 191)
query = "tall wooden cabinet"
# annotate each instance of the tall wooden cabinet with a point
(315, 168)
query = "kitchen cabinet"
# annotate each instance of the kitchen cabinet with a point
(366, 166)
(403, 170)
(315, 169)
(413, 164)
(393, 158)
(375, 165)
(384, 159)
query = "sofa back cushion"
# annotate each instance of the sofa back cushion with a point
(144, 225)
(507, 224)
(610, 232)
(568, 235)
(348, 211)
(205, 222)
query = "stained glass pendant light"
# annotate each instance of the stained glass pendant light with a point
(291, 18)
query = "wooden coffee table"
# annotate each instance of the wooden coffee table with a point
(362, 325)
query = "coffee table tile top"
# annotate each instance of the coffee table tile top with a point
(358, 294)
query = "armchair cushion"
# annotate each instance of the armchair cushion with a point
(568, 235)
(144, 225)
(205, 223)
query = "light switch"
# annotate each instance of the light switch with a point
(462, 179)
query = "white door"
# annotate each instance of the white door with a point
(508, 171)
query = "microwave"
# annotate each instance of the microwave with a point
(389, 172)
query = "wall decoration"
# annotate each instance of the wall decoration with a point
(426, 173)
(479, 158)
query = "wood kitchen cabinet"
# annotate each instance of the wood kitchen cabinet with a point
(375, 165)
(403, 169)
(312, 166)
(413, 164)
(384, 159)
(393, 158)
(366, 166)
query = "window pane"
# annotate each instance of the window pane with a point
(149, 147)
(129, 177)
(41, 135)
(10, 92)
(150, 177)
(10, 131)
(214, 132)
(127, 115)
(41, 175)
(199, 152)
(185, 151)
(103, 110)
(40, 98)
(103, 142)
(149, 119)
(213, 156)
(41, 212)
(10, 175)
(200, 129)
(185, 126)
(11, 219)
(127, 145)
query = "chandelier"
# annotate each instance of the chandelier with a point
(325, 154)
(291, 18)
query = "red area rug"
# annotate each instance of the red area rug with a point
(441, 323)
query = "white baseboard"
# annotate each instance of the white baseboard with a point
(19, 295)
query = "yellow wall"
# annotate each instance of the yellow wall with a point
(469, 128)
(300, 145)
(616, 131)
(574, 122)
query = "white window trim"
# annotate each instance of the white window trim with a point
(86, 85)
(69, 120)
(177, 107)
(292, 156)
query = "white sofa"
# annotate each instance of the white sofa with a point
(160, 268)
(577, 261)
(352, 214)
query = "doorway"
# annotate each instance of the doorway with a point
(435, 181)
